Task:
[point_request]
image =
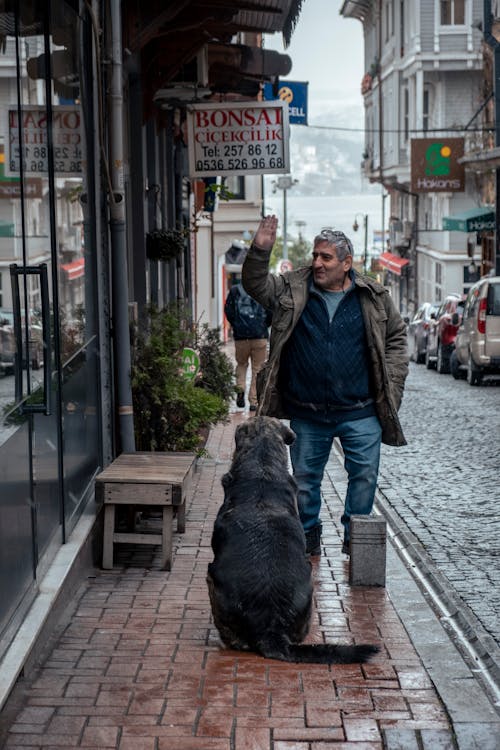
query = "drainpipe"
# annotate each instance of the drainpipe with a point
(495, 45)
(119, 262)
(380, 98)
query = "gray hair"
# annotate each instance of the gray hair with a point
(343, 245)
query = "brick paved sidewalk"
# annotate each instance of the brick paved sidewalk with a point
(139, 665)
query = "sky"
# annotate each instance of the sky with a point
(327, 52)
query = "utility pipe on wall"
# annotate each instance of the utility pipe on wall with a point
(495, 45)
(117, 224)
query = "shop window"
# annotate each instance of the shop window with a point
(402, 31)
(388, 19)
(406, 115)
(426, 108)
(438, 273)
(236, 186)
(452, 12)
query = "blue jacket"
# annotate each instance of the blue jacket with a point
(325, 368)
(287, 294)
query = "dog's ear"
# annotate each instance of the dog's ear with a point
(226, 479)
(240, 434)
(287, 434)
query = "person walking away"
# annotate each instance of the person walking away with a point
(336, 368)
(250, 323)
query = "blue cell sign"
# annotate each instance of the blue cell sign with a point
(295, 94)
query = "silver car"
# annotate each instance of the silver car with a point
(477, 346)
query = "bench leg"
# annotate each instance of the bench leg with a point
(181, 518)
(167, 530)
(109, 530)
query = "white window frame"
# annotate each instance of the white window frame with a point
(405, 114)
(453, 27)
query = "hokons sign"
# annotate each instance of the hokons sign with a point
(238, 138)
(435, 167)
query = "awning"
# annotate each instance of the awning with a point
(393, 262)
(473, 220)
(75, 269)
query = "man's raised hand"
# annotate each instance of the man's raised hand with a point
(265, 236)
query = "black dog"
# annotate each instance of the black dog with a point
(260, 583)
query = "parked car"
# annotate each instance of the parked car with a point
(7, 345)
(8, 342)
(477, 346)
(443, 331)
(418, 330)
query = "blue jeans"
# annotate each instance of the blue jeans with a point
(360, 440)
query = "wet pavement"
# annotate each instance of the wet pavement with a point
(443, 490)
(138, 665)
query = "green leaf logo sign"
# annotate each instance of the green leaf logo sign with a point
(190, 363)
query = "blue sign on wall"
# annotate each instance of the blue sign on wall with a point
(295, 94)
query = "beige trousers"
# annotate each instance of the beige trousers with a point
(254, 350)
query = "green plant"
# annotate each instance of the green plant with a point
(164, 244)
(170, 412)
(299, 252)
(216, 369)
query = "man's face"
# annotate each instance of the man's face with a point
(329, 273)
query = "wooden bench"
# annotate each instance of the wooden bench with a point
(145, 479)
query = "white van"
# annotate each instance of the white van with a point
(477, 346)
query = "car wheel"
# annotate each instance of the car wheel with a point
(455, 367)
(414, 351)
(428, 363)
(419, 355)
(443, 362)
(474, 374)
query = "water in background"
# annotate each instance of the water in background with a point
(338, 212)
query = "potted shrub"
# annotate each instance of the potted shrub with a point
(164, 244)
(171, 412)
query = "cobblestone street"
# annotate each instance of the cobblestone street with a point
(444, 483)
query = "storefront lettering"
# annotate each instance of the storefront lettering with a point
(30, 141)
(226, 118)
(226, 139)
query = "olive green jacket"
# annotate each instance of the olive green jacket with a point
(286, 295)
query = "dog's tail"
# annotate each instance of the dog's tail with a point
(274, 646)
(326, 653)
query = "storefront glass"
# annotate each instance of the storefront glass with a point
(49, 440)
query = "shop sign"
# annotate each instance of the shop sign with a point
(190, 363)
(229, 138)
(10, 189)
(29, 139)
(435, 167)
(294, 93)
(286, 265)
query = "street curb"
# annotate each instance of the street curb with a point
(476, 645)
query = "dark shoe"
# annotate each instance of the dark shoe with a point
(313, 541)
(240, 399)
(253, 407)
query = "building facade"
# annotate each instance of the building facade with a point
(93, 162)
(423, 81)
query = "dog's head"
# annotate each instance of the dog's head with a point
(260, 451)
(262, 428)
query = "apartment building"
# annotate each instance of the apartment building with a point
(424, 82)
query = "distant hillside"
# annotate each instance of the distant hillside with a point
(328, 161)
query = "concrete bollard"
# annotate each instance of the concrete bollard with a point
(368, 551)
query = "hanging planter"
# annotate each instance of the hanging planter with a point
(164, 244)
